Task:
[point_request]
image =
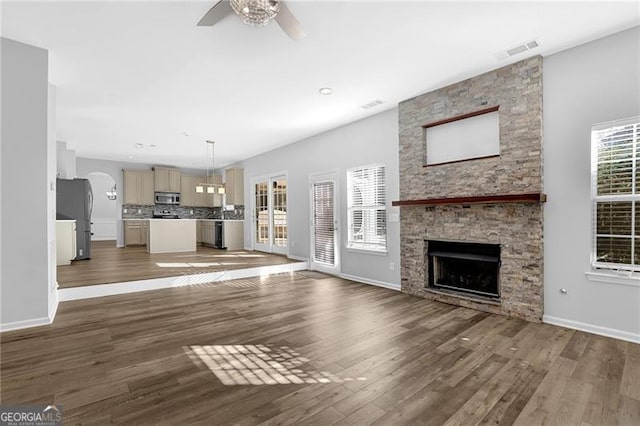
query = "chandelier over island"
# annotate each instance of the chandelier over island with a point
(210, 188)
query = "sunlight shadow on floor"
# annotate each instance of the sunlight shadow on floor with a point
(259, 365)
(196, 264)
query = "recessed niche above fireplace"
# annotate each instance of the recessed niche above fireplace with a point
(470, 268)
(469, 136)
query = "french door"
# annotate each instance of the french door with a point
(324, 223)
(270, 222)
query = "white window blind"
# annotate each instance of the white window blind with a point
(615, 189)
(367, 216)
(324, 222)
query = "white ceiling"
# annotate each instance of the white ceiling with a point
(143, 72)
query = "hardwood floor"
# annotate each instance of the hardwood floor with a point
(110, 264)
(304, 348)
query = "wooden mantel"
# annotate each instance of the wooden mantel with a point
(530, 198)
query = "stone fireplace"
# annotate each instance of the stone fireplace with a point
(471, 230)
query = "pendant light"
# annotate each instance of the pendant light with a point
(210, 188)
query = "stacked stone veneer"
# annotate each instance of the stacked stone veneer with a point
(517, 227)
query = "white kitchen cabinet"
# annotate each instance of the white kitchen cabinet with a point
(166, 179)
(139, 187)
(65, 241)
(234, 186)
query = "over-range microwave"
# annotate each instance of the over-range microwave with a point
(167, 198)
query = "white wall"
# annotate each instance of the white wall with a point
(372, 140)
(51, 200)
(592, 83)
(105, 211)
(65, 161)
(26, 207)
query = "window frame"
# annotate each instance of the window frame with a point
(633, 197)
(351, 244)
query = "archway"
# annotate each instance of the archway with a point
(104, 216)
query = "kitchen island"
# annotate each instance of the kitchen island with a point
(171, 235)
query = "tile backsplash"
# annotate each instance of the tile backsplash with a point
(130, 211)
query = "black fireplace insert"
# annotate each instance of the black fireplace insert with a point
(464, 267)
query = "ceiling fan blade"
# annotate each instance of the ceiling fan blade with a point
(289, 23)
(216, 14)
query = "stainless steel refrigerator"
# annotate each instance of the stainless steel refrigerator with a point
(74, 200)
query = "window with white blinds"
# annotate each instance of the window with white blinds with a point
(324, 222)
(367, 216)
(615, 160)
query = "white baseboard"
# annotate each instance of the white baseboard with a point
(594, 329)
(34, 322)
(18, 325)
(53, 305)
(103, 238)
(370, 281)
(100, 290)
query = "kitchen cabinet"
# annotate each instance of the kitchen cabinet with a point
(234, 186)
(139, 187)
(190, 198)
(188, 191)
(136, 232)
(65, 241)
(199, 232)
(233, 234)
(207, 229)
(166, 179)
(171, 235)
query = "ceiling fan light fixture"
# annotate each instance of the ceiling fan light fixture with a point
(256, 13)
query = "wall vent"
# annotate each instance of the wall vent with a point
(372, 104)
(522, 48)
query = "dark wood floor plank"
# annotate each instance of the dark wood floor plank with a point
(111, 264)
(345, 353)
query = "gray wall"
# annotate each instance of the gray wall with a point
(26, 209)
(592, 83)
(372, 140)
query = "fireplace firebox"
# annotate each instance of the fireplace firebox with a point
(471, 268)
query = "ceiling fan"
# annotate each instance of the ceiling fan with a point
(255, 13)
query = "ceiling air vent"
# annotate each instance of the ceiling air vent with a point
(522, 48)
(372, 104)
